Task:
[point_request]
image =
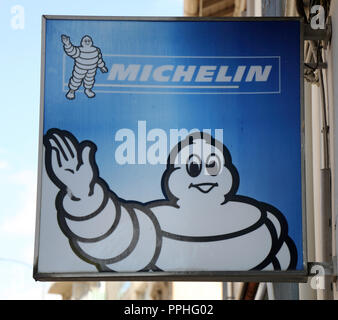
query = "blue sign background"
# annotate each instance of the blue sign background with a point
(261, 131)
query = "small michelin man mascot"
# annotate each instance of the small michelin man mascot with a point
(201, 224)
(87, 58)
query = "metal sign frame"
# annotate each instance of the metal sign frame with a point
(246, 276)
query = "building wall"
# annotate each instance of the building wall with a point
(332, 76)
(138, 290)
(197, 291)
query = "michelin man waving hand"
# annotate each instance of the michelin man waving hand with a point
(87, 58)
(201, 224)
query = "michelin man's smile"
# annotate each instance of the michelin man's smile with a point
(204, 187)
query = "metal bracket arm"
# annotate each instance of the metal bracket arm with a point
(315, 66)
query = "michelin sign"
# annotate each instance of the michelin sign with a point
(170, 148)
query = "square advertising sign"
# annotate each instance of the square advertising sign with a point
(171, 149)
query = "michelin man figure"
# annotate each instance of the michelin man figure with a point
(87, 58)
(201, 224)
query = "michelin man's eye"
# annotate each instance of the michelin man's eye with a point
(194, 166)
(213, 165)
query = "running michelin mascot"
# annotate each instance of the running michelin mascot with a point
(200, 225)
(87, 58)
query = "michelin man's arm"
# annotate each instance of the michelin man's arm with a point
(101, 64)
(70, 50)
(101, 230)
(286, 252)
(86, 208)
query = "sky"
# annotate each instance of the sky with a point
(20, 56)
